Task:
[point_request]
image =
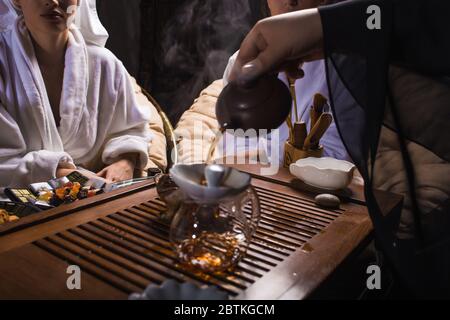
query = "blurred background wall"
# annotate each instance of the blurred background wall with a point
(122, 19)
(175, 48)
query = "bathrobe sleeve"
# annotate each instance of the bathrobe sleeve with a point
(129, 130)
(19, 168)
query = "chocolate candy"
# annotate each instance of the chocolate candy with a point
(20, 195)
(38, 188)
(59, 183)
(78, 177)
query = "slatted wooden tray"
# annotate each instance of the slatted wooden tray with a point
(122, 246)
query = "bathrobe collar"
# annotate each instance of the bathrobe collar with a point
(74, 92)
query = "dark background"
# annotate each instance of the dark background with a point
(175, 48)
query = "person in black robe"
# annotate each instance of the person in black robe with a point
(374, 49)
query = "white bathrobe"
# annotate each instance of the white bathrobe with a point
(100, 118)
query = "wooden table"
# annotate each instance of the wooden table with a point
(121, 245)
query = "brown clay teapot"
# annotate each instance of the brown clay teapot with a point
(264, 104)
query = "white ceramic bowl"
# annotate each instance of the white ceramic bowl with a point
(324, 173)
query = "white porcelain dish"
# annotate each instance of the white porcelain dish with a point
(324, 173)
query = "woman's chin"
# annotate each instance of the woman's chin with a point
(56, 28)
(55, 24)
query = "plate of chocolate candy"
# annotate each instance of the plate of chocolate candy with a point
(53, 193)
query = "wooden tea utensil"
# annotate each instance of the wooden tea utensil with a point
(299, 131)
(317, 109)
(300, 134)
(322, 125)
(294, 96)
(291, 128)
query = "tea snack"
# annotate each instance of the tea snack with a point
(68, 193)
(37, 188)
(4, 216)
(13, 218)
(59, 183)
(84, 192)
(68, 189)
(46, 196)
(94, 192)
(20, 195)
(75, 190)
(78, 177)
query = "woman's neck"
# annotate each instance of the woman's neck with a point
(50, 49)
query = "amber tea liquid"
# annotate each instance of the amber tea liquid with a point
(213, 146)
(212, 252)
(209, 159)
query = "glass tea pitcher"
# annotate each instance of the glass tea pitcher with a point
(212, 230)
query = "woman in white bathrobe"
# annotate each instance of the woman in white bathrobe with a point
(64, 103)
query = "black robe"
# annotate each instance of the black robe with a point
(414, 37)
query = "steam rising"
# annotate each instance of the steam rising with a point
(197, 45)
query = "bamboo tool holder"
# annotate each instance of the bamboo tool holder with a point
(293, 154)
(300, 145)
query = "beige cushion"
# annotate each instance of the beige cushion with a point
(157, 148)
(198, 126)
(412, 93)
